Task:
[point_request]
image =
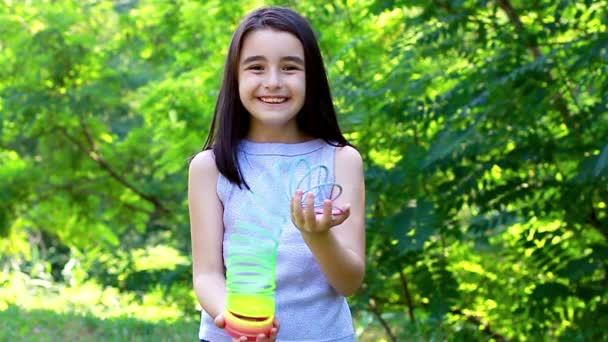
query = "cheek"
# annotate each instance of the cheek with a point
(242, 91)
(245, 88)
(246, 84)
(300, 85)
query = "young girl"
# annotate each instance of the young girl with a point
(274, 114)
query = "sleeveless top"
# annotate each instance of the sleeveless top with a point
(307, 306)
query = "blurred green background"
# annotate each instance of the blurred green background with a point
(483, 126)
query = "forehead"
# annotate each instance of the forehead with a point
(271, 44)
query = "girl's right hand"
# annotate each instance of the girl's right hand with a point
(220, 322)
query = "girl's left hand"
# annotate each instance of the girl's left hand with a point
(308, 221)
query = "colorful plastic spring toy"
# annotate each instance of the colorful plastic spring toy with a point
(251, 281)
(251, 259)
(316, 180)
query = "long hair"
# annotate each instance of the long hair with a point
(231, 120)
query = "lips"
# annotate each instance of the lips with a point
(272, 99)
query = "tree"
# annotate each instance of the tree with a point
(483, 126)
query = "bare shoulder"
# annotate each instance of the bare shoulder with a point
(348, 157)
(203, 165)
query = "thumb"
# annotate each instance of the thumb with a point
(219, 321)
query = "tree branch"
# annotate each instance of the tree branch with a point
(477, 321)
(595, 223)
(387, 328)
(445, 5)
(71, 188)
(407, 295)
(96, 156)
(506, 6)
(558, 100)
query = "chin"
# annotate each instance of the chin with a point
(276, 123)
(274, 120)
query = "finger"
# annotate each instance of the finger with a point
(219, 321)
(338, 219)
(293, 202)
(292, 208)
(310, 211)
(297, 210)
(261, 338)
(273, 334)
(326, 219)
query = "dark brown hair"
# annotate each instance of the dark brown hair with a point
(230, 124)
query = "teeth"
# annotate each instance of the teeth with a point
(273, 99)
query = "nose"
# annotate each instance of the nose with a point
(273, 79)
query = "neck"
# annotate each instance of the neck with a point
(288, 135)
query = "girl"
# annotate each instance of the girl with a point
(274, 111)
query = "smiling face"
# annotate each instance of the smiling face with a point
(272, 81)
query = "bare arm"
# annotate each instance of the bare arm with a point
(207, 230)
(338, 244)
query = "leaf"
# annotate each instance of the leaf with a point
(414, 225)
(602, 162)
(494, 221)
(4, 224)
(550, 291)
(578, 268)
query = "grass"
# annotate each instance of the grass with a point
(18, 324)
(44, 325)
(40, 310)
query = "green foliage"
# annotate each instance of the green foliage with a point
(483, 126)
(45, 325)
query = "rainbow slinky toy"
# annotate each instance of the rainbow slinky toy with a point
(251, 258)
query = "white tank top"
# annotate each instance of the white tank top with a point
(307, 306)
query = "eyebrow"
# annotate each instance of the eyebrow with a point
(257, 58)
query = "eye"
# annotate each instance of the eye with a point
(255, 68)
(291, 67)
